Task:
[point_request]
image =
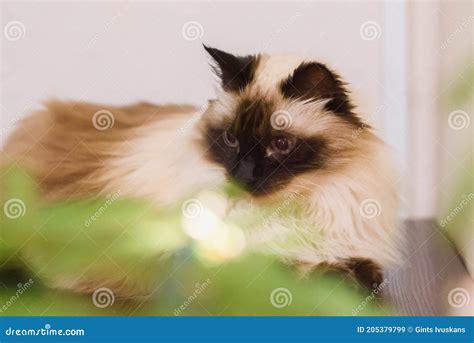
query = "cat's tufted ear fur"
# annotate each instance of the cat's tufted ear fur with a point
(314, 81)
(235, 72)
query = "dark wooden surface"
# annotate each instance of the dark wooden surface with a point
(431, 269)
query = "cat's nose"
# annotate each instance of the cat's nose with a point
(245, 172)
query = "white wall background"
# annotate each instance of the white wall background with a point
(123, 52)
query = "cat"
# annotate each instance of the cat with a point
(279, 125)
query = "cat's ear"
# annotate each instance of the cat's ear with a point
(235, 72)
(314, 81)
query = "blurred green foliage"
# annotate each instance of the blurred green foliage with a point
(459, 227)
(132, 239)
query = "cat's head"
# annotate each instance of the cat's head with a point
(277, 118)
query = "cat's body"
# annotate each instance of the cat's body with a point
(145, 148)
(164, 153)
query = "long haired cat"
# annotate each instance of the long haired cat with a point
(279, 125)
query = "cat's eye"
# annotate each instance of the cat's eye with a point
(230, 140)
(282, 144)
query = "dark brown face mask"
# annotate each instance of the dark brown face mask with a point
(257, 155)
